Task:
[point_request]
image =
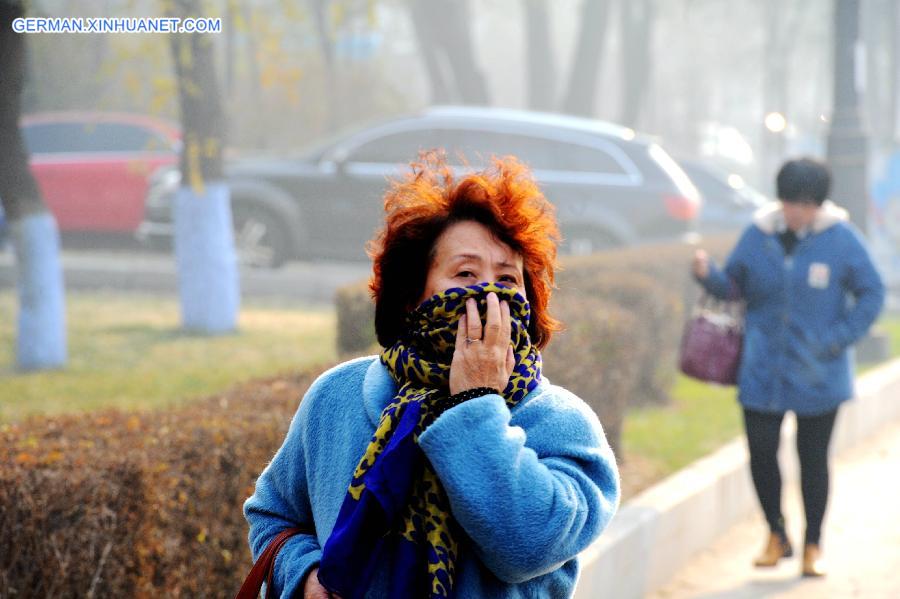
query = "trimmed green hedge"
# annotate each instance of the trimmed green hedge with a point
(596, 358)
(658, 322)
(355, 319)
(113, 504)
(69, 526)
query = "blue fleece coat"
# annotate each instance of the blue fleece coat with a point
(804, 311)
(530, 487)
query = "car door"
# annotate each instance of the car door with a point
(94, 174)
(364, 167)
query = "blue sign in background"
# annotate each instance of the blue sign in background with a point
(884, 230)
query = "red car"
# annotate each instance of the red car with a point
(94, 168)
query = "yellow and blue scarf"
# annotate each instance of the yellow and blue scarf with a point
(396, 503)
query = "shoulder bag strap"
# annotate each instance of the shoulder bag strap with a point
(265, 566)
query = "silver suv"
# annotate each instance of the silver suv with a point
(610, 185)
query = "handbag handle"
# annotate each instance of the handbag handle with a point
(733, 309)
(265, 566)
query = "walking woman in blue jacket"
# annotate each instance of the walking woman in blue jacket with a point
(811, 292)
(446, 466)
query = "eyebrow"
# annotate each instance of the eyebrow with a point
(478, 258)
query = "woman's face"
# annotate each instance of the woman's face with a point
(467, 253)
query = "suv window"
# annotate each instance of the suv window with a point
(477, 147)
(539, 153)
(394, 147)
(588, 159)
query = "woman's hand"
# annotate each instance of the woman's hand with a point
(700, 264)
(313, 589)
(483, 358)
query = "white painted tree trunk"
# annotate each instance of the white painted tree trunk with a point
(208, 283)
(41, 339)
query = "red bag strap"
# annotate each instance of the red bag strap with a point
(265, 566)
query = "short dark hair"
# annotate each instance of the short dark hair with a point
(803, 181)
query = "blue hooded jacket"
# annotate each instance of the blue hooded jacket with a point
(804, 310)
(530, 488)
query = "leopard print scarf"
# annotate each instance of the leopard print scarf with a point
(395, 499)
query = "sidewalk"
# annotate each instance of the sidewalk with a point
(656, 535)
(861, 539)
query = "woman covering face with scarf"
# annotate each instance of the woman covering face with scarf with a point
(447, 466)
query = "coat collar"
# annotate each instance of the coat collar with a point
(379, 388)
(770, 218)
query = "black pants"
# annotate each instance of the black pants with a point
(813, 437)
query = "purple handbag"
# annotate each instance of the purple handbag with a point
(711, 344)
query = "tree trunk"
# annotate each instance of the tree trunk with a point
(581, 90)
(230, 41)
(431, 54)
(782, 22)
(333, 104)
(539, 59)
(459, 48)
(638, 18)
(204, 239)
(444, 31)
(18, 189)
(255, 84)
(41, 333)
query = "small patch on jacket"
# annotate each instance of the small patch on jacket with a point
(819, 274)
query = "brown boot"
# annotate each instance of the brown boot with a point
(778, 547)
(812, 561)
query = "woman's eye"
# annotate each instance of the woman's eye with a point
(465, 273)
(509, 279)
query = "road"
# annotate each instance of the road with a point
(132, 270)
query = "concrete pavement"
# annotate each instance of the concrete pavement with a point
(861, 539)
(656, 535)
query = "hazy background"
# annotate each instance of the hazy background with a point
(700, 74)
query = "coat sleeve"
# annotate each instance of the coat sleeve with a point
(862, 282)
(531, 491)
(281, 501)
(729, 283)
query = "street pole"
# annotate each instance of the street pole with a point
(894, 71)
(847, 142)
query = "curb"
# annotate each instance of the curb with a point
(659, 530)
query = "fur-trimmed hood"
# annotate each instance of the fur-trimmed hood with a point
(770, 218)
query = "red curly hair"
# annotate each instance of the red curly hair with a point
(419, 207)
